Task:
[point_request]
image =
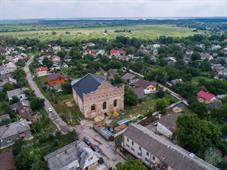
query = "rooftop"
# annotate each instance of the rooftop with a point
(14, 92)
(14, 128)
(173, 155)
(6, 161)
(76, 154)
(87, 84)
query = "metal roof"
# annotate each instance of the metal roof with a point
(171, 154)
(87, 84)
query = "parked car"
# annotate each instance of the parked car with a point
(87, 141)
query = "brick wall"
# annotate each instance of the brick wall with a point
(105, 93)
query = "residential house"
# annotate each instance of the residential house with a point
(56, 49)
(174, 82)
(117, 52)
(215, 47)
(7, 68)
(41, 71)
(171, 60)
(225, 50)
(205, 97)
(7, 79)
(129, 78)
(23, 108)
(19, 93)
(2, 50)
(222, 73)
(166, 124)
(91, 53)
(7, 161)
(157, 151)
(142, 87)
(56, 60)
(14, 131)
(156, 46)
(55, 79)
(96, 97)
(217, 67)
(74, 156)
(206, 56)
(100, 53)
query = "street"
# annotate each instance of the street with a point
(56, 119)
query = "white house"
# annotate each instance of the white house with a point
(155, 150)
(7, 68)
(74, 156)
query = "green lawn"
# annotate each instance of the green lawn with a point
(67, 109)
(145, 32)
(148, 105)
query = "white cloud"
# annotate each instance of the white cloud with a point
(17, 9)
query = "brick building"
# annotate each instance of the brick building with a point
(97, 97)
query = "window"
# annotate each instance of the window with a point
(139, 148)
(93, 107)
(115, 103)
(104, 105)
(132, 143)
(147, 153)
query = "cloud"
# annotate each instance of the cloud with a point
(21, 9)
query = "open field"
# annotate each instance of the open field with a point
(146, 32)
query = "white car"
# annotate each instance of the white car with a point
(50, 109)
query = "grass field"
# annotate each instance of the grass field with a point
(148, 105)
(146, 32)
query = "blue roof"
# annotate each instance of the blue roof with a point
(87, 84)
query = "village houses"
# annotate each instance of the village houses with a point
(14, 131)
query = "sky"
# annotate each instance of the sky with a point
(59, 9)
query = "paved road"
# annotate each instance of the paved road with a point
(111, 157)
(56, 119)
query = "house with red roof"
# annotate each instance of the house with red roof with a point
(117, 52)
(41, 71)
(90, 52)
(205, 97)
(55, 80)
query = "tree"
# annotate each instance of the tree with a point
(197, 135)
(161, 104)
(195, 56)
(37, 103)
(75, 53)
(21, 63)
(20, 75)
(62, 53)
(131, 165)
(46, 62)
(130, 98)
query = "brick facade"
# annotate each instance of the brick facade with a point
(104, 101)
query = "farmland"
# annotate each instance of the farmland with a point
(67, 33)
